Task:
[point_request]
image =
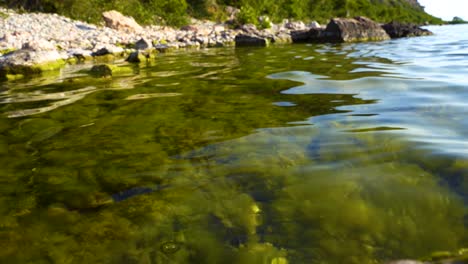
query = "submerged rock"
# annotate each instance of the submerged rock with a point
(102, 70)
(401, 30)
(354, 30)
(108, 70)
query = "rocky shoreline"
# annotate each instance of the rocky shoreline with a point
(32, 43)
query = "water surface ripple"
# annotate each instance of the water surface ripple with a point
(327, 153)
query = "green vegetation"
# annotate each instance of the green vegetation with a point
(457, 20)
(3, 15)
(176, 12)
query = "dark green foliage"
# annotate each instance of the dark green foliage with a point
(175, 12)
(457, 20)
(247, 15)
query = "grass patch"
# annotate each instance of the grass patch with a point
(3, 15)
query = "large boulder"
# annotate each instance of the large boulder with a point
(314, 35)
(401, 30)
(117, 21)
(354, 30)
(246, 40)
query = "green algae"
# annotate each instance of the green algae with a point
(22, 71)
(106, 70)
(6, 51)
(233, 178)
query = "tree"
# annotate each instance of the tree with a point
(457, 20)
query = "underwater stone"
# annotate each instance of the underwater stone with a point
(170, 247)
(131, 192)
(102, 70)
(105, 70)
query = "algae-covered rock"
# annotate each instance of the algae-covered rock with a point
(136, 57)
(106, 70)
(102, 70)
(28, 62)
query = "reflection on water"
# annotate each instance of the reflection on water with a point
(291, 154)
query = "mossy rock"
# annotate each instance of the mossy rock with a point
(15, 72)
(106, 70)
(137, 57)
(104, 58)
(163, 48)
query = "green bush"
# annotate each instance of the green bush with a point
(247, 15)
(175, 12)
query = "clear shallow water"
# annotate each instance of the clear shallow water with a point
(303, 154)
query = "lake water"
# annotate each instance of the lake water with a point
(354, 153)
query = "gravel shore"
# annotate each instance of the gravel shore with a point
(70, 36)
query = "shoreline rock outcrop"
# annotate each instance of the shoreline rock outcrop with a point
(342, 30)
(356, 29)
(401, 30)
(33, 40)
